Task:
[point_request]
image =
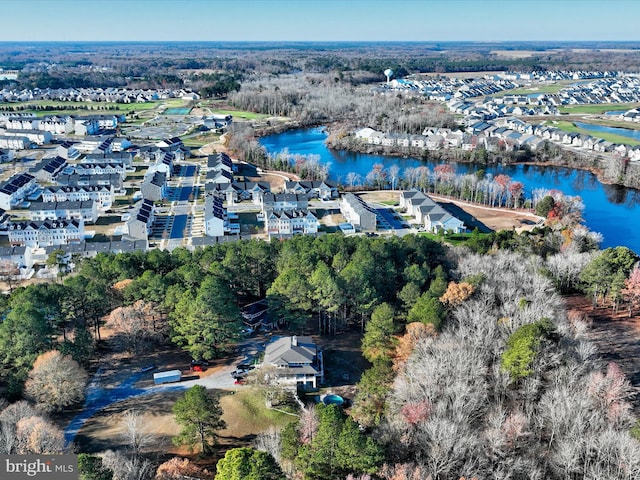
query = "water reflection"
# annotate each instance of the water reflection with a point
(616, 194)
(610, 210)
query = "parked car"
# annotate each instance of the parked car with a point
(245, 367)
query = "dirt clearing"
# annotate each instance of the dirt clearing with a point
(616, 336)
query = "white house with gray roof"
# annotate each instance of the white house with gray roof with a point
(429, 213)
(357, 212)
(297, 360)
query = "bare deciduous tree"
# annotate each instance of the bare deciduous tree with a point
(269, 441)
(36, 435)
(125, 468)
(136, 433)
(56, 381)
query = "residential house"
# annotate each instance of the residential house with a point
(357, 212)
(20, 258)
(153, 153)
(86, 180)
(291, 222)
(45, 233)
(57, 125)
(239, 191)
(219, 176)
(284, 201)
(164, 163)
(120, 144)
(37, 137)
(86, 126)
(21, 122)
(221, 161)
(313, 189)
(101, 168)
(14, 189)
(126, 158)
(154, 186)
(429, 213)
(295, 361)
(91, 249)
(67, 151)
(215, 217)
(365, 134)
(95, 144)
(170, 143)
(67, 210)
(15, 143)
(47, 169)
(102, 195)
(138, 227)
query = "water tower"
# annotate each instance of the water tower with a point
(389, 73)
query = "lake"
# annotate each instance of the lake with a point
(625, 132)
(611, 210)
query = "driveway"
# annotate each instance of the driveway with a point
(98, 397)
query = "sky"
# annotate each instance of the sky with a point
(319, 20)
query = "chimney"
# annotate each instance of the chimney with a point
(294, 341)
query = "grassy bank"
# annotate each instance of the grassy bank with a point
(610, 137)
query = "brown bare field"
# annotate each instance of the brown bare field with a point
(523, 53)
(617, 337)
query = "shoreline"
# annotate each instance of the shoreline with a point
(446, 155)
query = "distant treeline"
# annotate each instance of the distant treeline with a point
(62, 65)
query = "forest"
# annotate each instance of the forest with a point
(476, 369)
(153, 65)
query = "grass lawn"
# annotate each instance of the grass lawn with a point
(78, 108)
(246, 414)
(241, 114)
(200, 140)
(621, 139)
(176, 103)
(552, 89)
(596, 109)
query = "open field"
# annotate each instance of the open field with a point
(523, 53)
(56, 107)
(596, 109)
(241, 114)
(553, 88)
(197, 141)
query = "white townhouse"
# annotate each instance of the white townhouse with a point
(141, 222)
(429, 213)
(284, 201)
(101, 168)
(102, 195)
(216, 219)
(45, 233)
(85, 210)
(39, 137)
(15, 143)
(15, 188)
(357, 212)
(291, 222)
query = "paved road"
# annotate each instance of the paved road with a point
(179, 224)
